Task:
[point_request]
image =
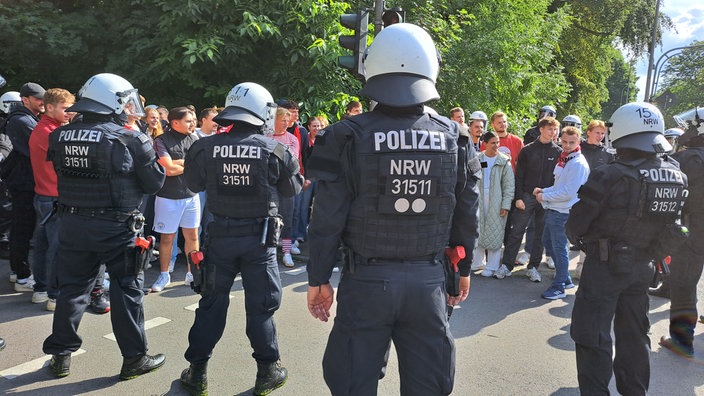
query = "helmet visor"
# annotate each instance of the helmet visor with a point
(689, 117)
(132, 103)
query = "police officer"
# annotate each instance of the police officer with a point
(534, 132)
(103, 171)
(623, 210)
(395, 186)
(687, 261)
(244, 174)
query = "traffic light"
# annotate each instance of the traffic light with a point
(357, 42)
(393, 15)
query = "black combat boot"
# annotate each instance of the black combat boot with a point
(59, 365)
(270, 376)
(195, 380)
(135, 366)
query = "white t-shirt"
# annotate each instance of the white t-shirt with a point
(490, 161)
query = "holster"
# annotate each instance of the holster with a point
(196, 259)
(452, 277)
(451, 259)
(272, 231)
(348, 260)
(138, 254)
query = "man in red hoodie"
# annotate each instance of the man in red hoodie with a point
(46, 235)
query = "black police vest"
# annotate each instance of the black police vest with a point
(403, 173)
(658, 193)
(694, 158)
(239, 182)
(94, 167)
(177, 145)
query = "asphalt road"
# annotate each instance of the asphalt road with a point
(509, 342)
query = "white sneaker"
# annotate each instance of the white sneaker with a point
(295, 250)
(13, 277)
(523, 258)
(533, 275)
(550, 263)
(502, 272)
(288, 260)
(24, 285)
(477, 266)
(487, 273)
(39, 297)
(189, 278)
(295, 243)
(51, 305)
(161, 282)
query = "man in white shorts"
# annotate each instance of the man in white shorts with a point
(175, 205)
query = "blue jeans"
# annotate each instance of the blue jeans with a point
(554, 236)
(46, 242)
(301, 212)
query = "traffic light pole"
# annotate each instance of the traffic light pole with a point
(379, 7)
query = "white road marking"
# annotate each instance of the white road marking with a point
(31, 366)
(296, 271)
(158, 321)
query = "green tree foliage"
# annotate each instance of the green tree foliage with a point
(620, 84)
(505, 55)
(683, 78)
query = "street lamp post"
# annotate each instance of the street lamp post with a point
(651, 55)
(651, 89)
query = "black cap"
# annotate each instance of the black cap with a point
(32, 89)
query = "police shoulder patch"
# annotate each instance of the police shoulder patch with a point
(143, 138)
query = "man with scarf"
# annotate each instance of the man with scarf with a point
(571, 171)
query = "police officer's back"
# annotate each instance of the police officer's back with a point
(103, 171)
(687, 262)
(625, 208)
(244, 173)
(394, 187)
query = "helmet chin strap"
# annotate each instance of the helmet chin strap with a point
(120, 119)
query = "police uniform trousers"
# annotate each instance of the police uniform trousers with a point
(24, 220)
(613, 291)
(685, 270)
(84, 243)
(403, 301)
(228, 255)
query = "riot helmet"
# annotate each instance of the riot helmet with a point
(572, 120)
(638, 126)
(692, 122)
(479, 115)
(251, 103)
(401, 66)
(9, 99)
(108, 93)
(547, 111)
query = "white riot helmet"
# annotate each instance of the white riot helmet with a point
(401, 66)
(479, 115)
(108, 93)
(572, 120)
(8, 99)
(547, 111)
(638, 126)
(251, 103)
